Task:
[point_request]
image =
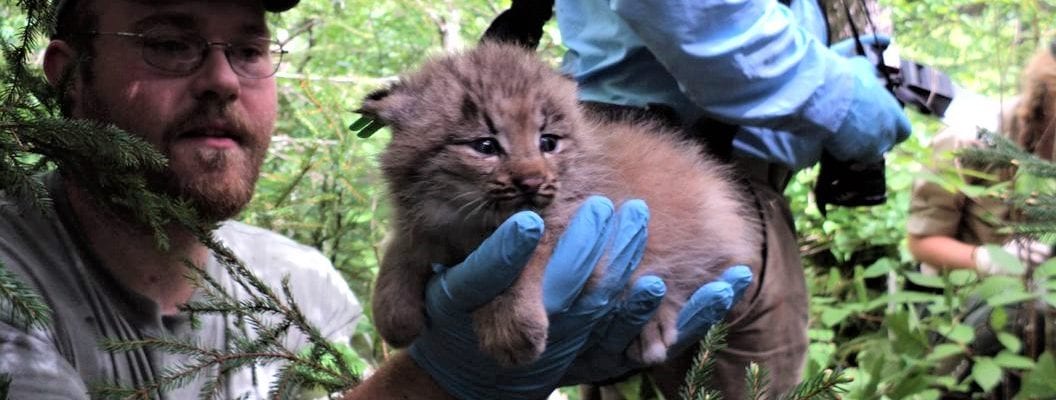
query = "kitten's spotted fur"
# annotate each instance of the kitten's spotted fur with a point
(480, 135)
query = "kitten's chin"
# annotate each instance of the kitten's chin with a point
(536, 203)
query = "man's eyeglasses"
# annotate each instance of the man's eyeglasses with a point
(183, 53)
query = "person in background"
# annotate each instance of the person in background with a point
(949, 231)
(194, 78)
(756, 81)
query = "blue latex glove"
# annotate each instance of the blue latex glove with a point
(448, 348)
(848, 48)
(874, 120)
(606, 356)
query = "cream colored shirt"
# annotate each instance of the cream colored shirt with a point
(63, 360)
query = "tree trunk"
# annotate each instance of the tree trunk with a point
(862, 12)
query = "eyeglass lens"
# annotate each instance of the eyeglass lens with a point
(253, 58)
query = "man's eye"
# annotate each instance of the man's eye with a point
(249, 51)
(486, 146)
(173, 46)
(548, 143)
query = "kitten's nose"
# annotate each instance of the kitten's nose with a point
(529, 184)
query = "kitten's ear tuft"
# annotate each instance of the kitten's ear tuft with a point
(386, 106)
(378, 94)
(370, 120)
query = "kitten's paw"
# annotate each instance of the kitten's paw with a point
(659, 334)
(508, 336)
(399, 326)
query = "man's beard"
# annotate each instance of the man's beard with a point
(203, 184)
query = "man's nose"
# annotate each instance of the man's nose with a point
(216, 77)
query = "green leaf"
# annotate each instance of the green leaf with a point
(994, 285)
(960, 333)
(820, 335)
(369, 130)
(833, 316)
(1007, 359)
(986, 373)
(1046, 269)
(1010, 341)
(1039, 384)
(945, 350)
(1008, 262)
(926, 280)
(998, 319)
(1010, 297)
(361, 123)
(880, 268)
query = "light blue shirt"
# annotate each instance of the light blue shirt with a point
(752, 63)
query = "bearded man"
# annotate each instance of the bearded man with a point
(195, 79)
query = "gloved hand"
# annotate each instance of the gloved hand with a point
(874, 120)
(448, 348)
(1027, 251)
(606, 356)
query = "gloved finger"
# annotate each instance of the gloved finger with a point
(626, 250)
(739, 277)
(877, 39)
(849, 48)
(902, 126)
(708, 305)
(642, 302)
(493, 266)
(577, 252)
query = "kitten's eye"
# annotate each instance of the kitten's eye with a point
(485, 146)
(548, 143)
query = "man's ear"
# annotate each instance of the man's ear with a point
(59, 61)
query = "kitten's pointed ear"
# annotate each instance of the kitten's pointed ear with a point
(381, 107)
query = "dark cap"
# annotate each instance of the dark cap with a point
(64, 6)
(269, 5)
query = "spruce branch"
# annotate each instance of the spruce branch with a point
(1035, 210)
(826, 386)
(757, 380)
(19, 304)
(288, 384)
(695, 384)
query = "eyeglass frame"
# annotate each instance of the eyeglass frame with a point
(205, 45)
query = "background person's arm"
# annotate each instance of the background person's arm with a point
(749, 62)
(942, 252)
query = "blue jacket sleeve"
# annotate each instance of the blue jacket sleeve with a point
(746, 61)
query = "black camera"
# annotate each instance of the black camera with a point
(856, 184)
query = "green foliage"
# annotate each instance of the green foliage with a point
(320, 186)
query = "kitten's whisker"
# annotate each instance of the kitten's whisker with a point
(483, 203)
(471, 202)
(464, 194)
